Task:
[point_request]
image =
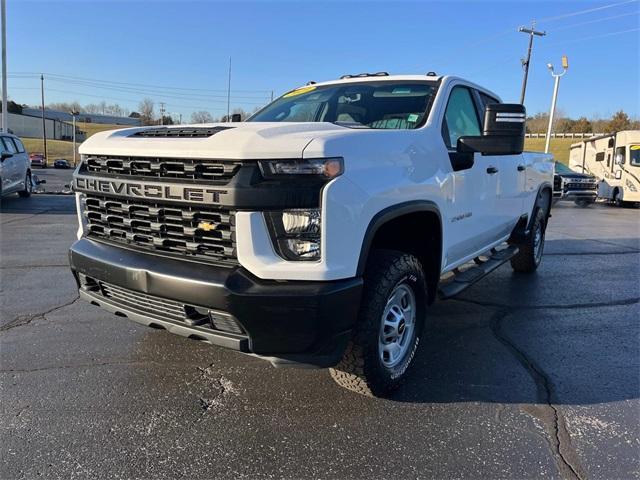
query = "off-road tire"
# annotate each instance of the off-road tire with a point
(361, 369)
(28, 186)
(526, 260)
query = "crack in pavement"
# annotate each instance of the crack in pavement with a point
(82, 365)
(25, 267)
(568, 254)
(22, 320)
(613, 303)
(560, 443)
(22, 219)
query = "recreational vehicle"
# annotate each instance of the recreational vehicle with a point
(614, 159)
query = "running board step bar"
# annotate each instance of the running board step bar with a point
(461, 278)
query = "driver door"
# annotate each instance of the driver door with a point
(473, 216)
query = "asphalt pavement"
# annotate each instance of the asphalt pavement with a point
(522, 376)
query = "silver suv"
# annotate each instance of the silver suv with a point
(15, 169)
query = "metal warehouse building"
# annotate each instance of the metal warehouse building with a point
(31, 126)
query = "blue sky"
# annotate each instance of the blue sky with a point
(279, 45)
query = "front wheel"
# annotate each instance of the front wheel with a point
(390, 323)
(28, 186)
(529, 257)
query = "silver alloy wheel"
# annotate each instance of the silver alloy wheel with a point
(28, 183)
(397, 325)
(538, 243)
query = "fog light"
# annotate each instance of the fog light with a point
(296, 233)
(224, 322)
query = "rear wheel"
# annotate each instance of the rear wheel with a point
(389, 326)
(28, 186)
(529, 257)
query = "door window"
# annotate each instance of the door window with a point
(9, 145)
(19, 145)
(460, 117)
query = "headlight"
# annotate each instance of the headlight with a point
(296, 233)
(314, 167)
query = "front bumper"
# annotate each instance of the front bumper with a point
(303, 322)
(580, 195)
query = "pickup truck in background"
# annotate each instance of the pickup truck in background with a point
(318, 231)
(581, 188)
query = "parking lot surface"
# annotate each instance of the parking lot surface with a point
(520, 377)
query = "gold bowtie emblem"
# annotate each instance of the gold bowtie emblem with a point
(206, 226)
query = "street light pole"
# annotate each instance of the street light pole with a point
(554, 98)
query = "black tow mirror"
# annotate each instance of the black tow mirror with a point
(5, 155)
(236, 117)
(503, 133)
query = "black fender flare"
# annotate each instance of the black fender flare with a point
(391, 213)
(539, 196)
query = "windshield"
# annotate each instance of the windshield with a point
(634, 155)
(562, 168)
(382, 105)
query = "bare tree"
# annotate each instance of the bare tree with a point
(201, 117)
(146, 109)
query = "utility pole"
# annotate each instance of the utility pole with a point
(554, 98)
(525, 62)
(44, 124)
(161, 113)
(5, 113)
(180, 119)
(229, 94)
(272, 95)
(73, 116)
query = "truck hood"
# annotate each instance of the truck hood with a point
(244, 140)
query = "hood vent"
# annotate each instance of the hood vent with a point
(198, 132)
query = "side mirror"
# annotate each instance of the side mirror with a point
(5, 155)
(503, 133)
(236, 117)
(619, 159)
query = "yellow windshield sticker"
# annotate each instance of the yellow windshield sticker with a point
(299, 91)
(634, 147)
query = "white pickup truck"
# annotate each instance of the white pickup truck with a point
(319, 231)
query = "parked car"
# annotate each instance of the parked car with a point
(38, 160)
(15, 168)
(61, 163)
(318, 231)
(580, 188)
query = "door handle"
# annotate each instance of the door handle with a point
(521, 168)
(492, 170)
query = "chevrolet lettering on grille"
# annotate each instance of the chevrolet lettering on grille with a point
(181, 193)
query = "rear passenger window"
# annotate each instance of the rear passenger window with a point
(460, 117)
(19, 145)
(9, 146)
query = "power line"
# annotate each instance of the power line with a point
(610, 34)
(573, 25)
(582, 12)
(164, 87)
(131, 100)
(182, 96)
